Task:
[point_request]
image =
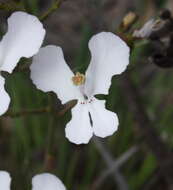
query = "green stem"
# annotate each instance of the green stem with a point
(52, 9)
(49, 158)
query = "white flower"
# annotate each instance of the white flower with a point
(146, 30)
(47, 181)
(49, 72)
(23, 39)
(43, 181)
(5, 180)
(149, 27)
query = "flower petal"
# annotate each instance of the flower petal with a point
(5, 180)
(109, 56)
(146, 30)
(4, 97)
(105, 122)
(79, 130)
(50, 72)
(47, 181)
(23, 39)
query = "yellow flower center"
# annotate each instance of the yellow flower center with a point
(78, 79)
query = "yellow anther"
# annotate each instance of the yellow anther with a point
(78, 79)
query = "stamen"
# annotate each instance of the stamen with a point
(87, 101)
(78, 79)
(90, 100)
(82, 102)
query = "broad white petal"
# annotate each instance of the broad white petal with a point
(4, 97)
(5, 180)
(105, 122)
(47, 181)
(79, 130)
(23, 39)
(49, 72)
(109, 56)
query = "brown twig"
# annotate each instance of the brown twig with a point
(113, 167)
(40, 111)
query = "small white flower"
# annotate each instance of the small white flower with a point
(5, 180)
(43, 181)
(23, 39)
(149, 27)
(146, 30)
(47, 181)
(49, 72)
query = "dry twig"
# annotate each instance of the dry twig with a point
(113, 166)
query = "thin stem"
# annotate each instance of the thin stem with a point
(52, 9)
(27, 112)
(47, 165)
(109, 160)
(117, 164)
(40, 111)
